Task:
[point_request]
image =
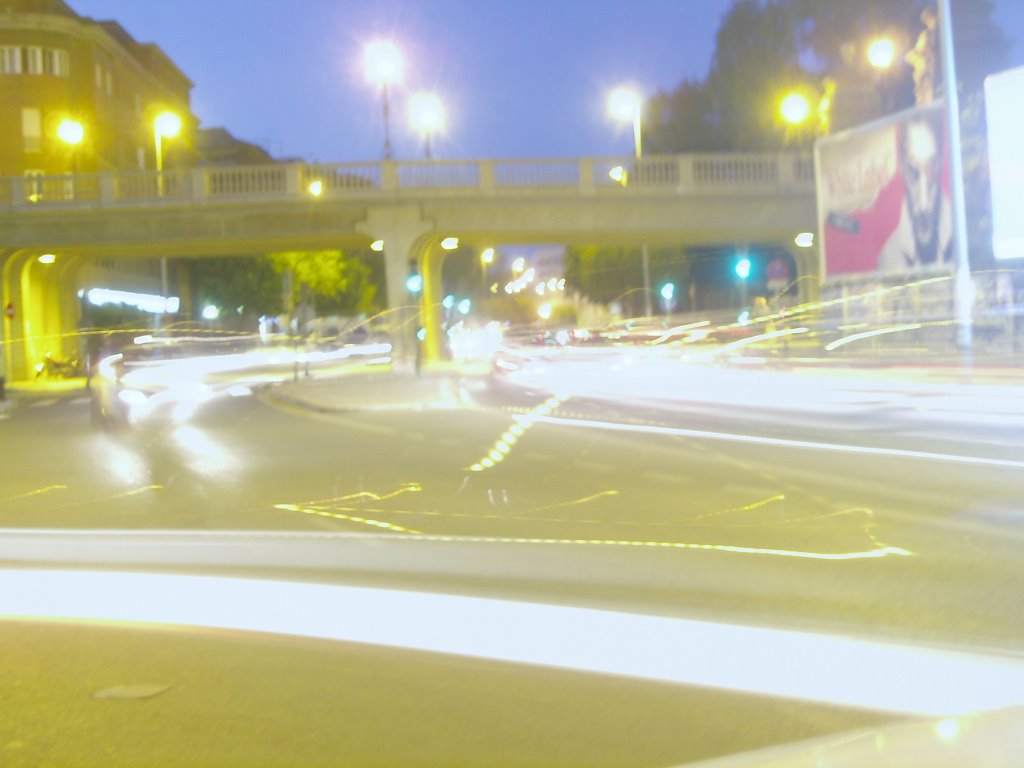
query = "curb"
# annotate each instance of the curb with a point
(274, 392)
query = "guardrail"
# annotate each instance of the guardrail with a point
(668, 174)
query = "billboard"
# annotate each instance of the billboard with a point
(1004, 100)
(884, 203)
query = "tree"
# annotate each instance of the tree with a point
(250, 282)
(337, 283)
(765, 48)
(756, 61)
(605, 275)
(684, 119)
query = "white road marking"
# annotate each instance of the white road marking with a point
(778, 442)
(830, 669)
(44, 403)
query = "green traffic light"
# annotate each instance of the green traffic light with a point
(743, 268)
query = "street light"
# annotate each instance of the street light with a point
(626, 104)
(450, 243)
(47, 258)
(804, 240)
(487, 256)
(167, 125)
(71, 132)
(882, 53)
(384, 67)
(795, 108)
(427, 116)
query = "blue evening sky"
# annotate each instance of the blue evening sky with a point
(520, 78)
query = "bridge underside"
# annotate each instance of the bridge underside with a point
(410, 231)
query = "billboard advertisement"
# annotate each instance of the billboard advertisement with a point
(884, 203)
(1004, 103)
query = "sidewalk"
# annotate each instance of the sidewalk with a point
(37, 390)
(440, 388)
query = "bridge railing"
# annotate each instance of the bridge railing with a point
(683, 175)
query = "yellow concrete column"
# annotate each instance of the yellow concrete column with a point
(430, 305)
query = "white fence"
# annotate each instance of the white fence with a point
(669, 174)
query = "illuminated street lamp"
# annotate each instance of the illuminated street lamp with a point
(384, 67)
(427, 116)
(882, 53)
(47, 258)
(626, 105)
(71, 132)
(487, 256)
(167, 125)
(795, 108)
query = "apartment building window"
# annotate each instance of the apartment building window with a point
(140, 157)
(10, 60)
(110, 83)
(33, 60)
(99, 77)
(55, 62)
(32, 129)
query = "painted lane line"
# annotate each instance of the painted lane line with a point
(778, 442)
(830, 669)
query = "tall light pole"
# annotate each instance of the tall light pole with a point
(964, 289)
(384, 67)
(626, 104)
(427, 116)
(72, 134)
(167, 125)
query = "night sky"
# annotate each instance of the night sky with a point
(520, 78)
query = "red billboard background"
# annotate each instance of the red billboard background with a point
(864, 216)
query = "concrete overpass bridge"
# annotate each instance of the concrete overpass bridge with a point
(410, 206)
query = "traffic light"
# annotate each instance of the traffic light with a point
(743, 268)
(414, 283)
(668, 291)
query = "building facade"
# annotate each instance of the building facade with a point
(57, 67)
(79, 95)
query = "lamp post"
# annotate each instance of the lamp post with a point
(427, 116)
(167, 125)
(71, 133)
(964, 287)
(626, 105)
(384, 67)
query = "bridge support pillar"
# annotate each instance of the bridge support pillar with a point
(406, 237)
(430, 305)
(808, 267)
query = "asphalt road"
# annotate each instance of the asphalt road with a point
(876, 527)
(680, 510)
